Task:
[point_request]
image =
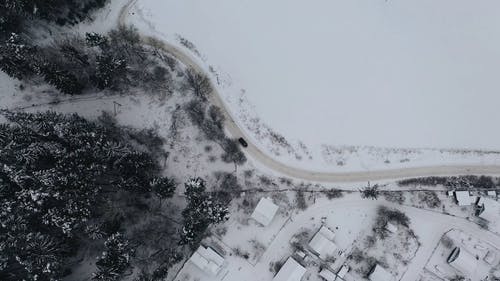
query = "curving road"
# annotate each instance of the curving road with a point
(257, 154)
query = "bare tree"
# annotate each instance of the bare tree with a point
(198, 83)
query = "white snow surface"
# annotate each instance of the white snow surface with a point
(358, 76)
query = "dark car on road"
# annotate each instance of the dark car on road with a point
(243, 142)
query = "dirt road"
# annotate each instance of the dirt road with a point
(254, 152)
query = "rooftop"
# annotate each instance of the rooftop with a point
(290, 271)
(322, 243)
(207, 260)
(265, 211)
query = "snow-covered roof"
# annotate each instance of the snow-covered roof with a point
(391, 227)
(491, 209)
(207, 260)
(463, 198)
(327, 275)
(265, 211)
(322, 243)
(380, 274)
(290, 271)
(343, 271)
(464, 262)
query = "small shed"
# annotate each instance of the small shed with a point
(343, 271)
(463, 198)
(327, 275)
(206, 259)
(392, 228)
(379, 273)
(290, 271)
(322, 243)
(265, 211)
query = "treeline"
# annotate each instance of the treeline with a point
(486, 182)
(65, 181)
(16, 14)
(73, 65)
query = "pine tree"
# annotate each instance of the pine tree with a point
(115, 259)
(110, 71)
(201, 211)
(64, 81)
(163, 187)
(96, 40)
(17, 58)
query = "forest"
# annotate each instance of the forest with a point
(69, 184)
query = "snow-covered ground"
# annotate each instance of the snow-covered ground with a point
(344, 85)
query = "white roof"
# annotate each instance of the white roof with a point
(327, 275)
(265, 211)
(207, 260)
(463, 198)
(391, 227)
(343, 271)
(322, 243)
(492, 193)
(290, 271)
(465, 263)
(491, 210)
(380, 274)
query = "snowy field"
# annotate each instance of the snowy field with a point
(348, 83)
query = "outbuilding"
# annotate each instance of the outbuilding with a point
(265, 211)
(392, 228)
(327, 275)
(290, 271)
(463, 198)
(463, 261)
(343, 271)
(322, 243)
(379, 273)
(206, 259)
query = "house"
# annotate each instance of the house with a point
(206, 259)
(265, 211)
(488, 209)
(290, 271)
(492, 193)
(392, 228)
(322, 243)
(463, 198)
(327, 275)
(464, 262)
(379, 273)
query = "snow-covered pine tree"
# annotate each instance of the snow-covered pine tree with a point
(201, 211)
(162, 187)
(96, 40)
(63, 80)
(17, 58)
(114, 260)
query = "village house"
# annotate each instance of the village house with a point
(290, 271)
(206, 259)
(265, 211)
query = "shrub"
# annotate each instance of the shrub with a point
(394, 196)
(430, 198)
(333, 193)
